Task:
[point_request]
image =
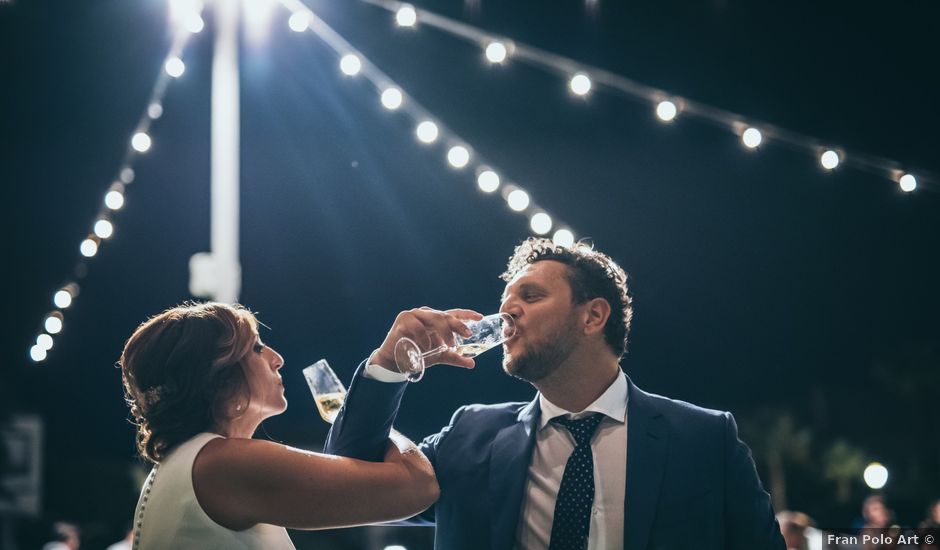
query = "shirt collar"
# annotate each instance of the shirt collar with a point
(612, 404)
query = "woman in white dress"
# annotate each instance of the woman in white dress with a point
(199, 382)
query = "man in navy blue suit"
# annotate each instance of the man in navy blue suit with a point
(592, 462)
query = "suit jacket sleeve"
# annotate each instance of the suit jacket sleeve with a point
(363, 425)
(749, 514)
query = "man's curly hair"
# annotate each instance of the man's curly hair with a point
(591, 274)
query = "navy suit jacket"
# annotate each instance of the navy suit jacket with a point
(691, 483)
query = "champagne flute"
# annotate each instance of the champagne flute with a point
(328, 392)
(486, 333)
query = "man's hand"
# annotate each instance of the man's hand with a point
(430, 329)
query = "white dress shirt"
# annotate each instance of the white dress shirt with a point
(553, 445)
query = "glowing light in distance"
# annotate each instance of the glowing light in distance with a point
(174, 67)
(518, 200)
(391, 98)
(488, 181)
(580, 84)
(154, 111)
(829, 159)
(37, 354)
(141, 142)
(350, 64)
(44, 341)
(908, 183)
(876, 475)
(666, 111)
(104, 229)
(114, 200)
(496, 52)
(751, 138)
(127, 175)
(186, 13)
(458, 156)
(89, 248)
(194, 23)
(299, 21)
(406, 16)
(62, 299)
(541, 223)
(53, 324)
(563, 237)
(427, 132)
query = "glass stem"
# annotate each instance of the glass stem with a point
(435, 351)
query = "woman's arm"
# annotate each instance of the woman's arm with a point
(241, 482)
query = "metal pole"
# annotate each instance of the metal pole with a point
(225, 152)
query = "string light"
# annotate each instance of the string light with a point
(104, 229)
(518, 200)
(496, 52)
(458, 156)
(391, 98)
(89, 247)
(114, 199)
(751, 138)
(541, 223)
(185, 15)
(350, 64)
(427, 132)
(829, 159)
(194, 23)
(154, 111)
(580, 84)
(666, 111)
(488, 181)
(563, 237)
(174, 67)
(406, 16)
(37, 354)
(44, 341)
(141, 142)
(908, 183)
(53, 323)
(62, 299)
(298, 22)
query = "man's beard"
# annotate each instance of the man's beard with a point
(539, 359)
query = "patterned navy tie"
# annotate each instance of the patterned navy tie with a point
(572, 521)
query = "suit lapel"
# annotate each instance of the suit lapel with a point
(647, 440)
(509, 463)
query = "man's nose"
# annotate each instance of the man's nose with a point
(511, 306)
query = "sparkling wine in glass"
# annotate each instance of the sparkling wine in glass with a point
(486, 333)
(328, 392)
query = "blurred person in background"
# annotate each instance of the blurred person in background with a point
(793, 527)
(933, 515)
(65, 536)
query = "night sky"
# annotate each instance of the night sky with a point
(762, 284)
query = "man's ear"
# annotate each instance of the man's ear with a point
(597, 311)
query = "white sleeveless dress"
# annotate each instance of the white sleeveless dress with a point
(169, 516)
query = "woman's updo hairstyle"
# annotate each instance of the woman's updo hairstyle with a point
(181, 371)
